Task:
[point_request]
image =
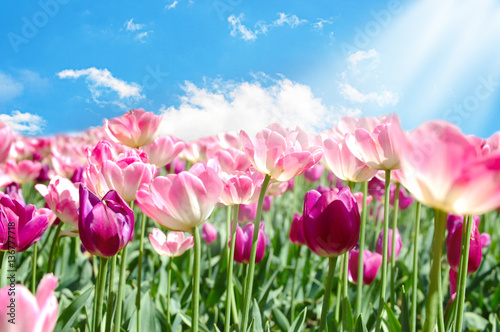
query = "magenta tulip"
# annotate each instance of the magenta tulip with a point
(314, 173)
(21, 226)
(105, 226)
(24, 312)
(208, 233)
(397, 247)
(247, 213)
(331, 222)
(296, 236)
(174, 244)
(281, 153)
(475, 250)
(371, 265)
(62, 196)
(163, 150)
(181, 201)
(243, 245)
(135, 128)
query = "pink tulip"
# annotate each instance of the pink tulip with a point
(377, 148)
(247, 213)
(23, 171)
(24, 312)
(20, 225)
(181, 201)
(314, 173)
(371, 265)
(173, 244)
(135, 128)
(268, 202)
(163, 150)
(485, 240)
(281, 153)
(62, 197)
(296, 235)
(6, 137)
(475, 251)
(359, 200)
(176, 166)
(444, 170)
(342, 162)
(231, 160)
(126, 174)
(331, 222)
(209, 233)
(243, 245)
(397, 247)
(241, 187)
(277, 188)
(349, 124)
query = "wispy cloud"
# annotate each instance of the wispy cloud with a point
(131, 26)
(320, 23)
(25, 123)
(137, 29)
(101, 82)
(227, 105)
(261, 27)
(381, 98)
(9, 87)
(359, 56)
(171, 5)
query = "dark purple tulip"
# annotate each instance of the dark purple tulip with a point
(296, 229)
(243, 245)
(44, 174)
(475, 251)
(78, 175)
(331, 222)
(397, 247)
(15, 192)
(25, 225)
(268, 201)
(105, 226)
(405, 199)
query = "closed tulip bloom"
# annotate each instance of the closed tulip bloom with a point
(105, 226)
(135, 128)
(281, 153)
(241, 187)
(31, 313)
(208, 233)
(371, 265)
(475, 250)
(397, 247)
(268, 202)
(163, 150)
(359, 199)
(247, 213)
(62, 196)
(243, 245)
(23, 171)
(6, 137)
(344, 164)
(378, 148)
(181, 201)
(405, 199)
(231, 160)
(331, 222)
(314, 173)
(444, 170)
(296, 236)
(24, 225)
(173, 244)
(485, 240)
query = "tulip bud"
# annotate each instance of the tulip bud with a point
(172, 245)
(243, 245)
(135, 128)
(296, 229)
(314, 173)
(105, 226)
(475, 251)
(371, 264)
(397, 247)
(209, 233)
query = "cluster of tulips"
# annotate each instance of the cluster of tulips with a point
(107, 186)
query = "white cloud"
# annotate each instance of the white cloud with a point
(101, 82)
(25, 123)
(9, 87)
(141, 36)
(131, 26)
(261, 27)
(382, 99)
(355, 58)
(172, 5)
(318, 25)
(250, 106)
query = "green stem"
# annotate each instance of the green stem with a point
(463, 274)
(53, 247)
(414, 286)
(33, 271)
(251, 266)
(332, 261)
(2, 254)
(196, 279)
(169, 278)
(433, 300)
(121, 289)
(393, 246)
(339, 289)
(103, 265)
(294, 277)
(345, 276)
(209, 260)
(139, 275)
(459, 275)
(111, 294)
(383, 284)
(227, 323)
(362, 230)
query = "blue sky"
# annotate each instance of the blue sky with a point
(233, 64)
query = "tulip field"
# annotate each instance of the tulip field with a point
(362, 227)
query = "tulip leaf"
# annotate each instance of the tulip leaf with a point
(69, 315)
(250, 328)
(281, 319)
(256, 316)
(405, 313)
(360, 326)
(474, 322)
(347, 320)
(218, 290)
(392, 321)
(299, 321)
